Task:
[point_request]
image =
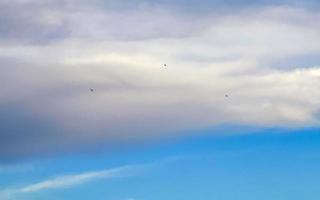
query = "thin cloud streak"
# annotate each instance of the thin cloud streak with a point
(71, 180)
(67, 181)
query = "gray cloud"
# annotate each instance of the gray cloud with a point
(36, 22)
(41, 22)
(31, 23)
(46, 106)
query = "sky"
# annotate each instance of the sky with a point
(191, 99)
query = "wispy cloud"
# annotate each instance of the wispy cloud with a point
(71, 180)
(66, 181)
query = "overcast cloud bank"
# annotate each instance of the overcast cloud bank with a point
(53, 53)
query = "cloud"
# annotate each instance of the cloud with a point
(68, 181)
(31, 23)
(119, 50)
(71, 180)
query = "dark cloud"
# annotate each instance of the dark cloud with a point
(24, 133)
(44, 22)
(41, 22)
(34, 24)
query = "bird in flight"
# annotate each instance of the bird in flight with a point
(165, 65)
(226, 95)
(91, 89)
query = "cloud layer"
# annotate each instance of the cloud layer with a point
(53, 53)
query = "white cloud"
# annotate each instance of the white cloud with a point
(71, 180)
(121, 55)
(68, 181)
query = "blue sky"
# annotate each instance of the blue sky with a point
(265, 164)
(191, 99)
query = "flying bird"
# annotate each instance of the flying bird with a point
(226, 96)
(91, 89)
